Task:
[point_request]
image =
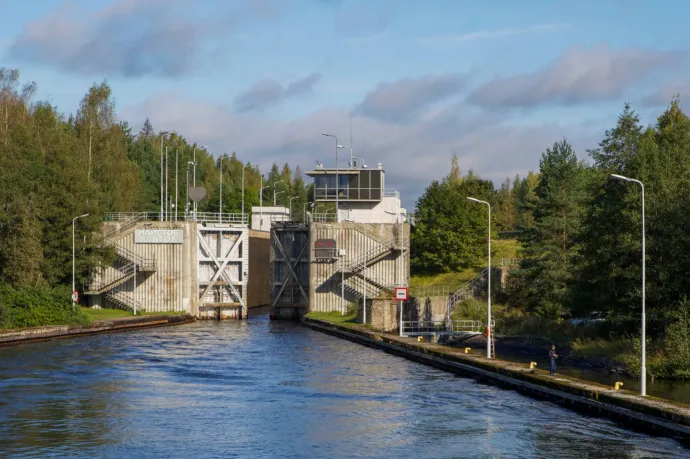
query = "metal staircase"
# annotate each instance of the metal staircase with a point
(127, 265)
(126, 224)
(465, 292)
(122, 300)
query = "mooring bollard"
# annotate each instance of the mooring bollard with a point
(618, 385)
(467, 350)
(532, 365)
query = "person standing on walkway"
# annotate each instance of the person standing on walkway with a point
(552, 360)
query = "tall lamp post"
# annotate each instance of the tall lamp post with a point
(274, 191)
(194, 174)
(244, 166)
(291, 199)
(488, 314)
(220, 205)
(163, 199)
(643, 358)
(337, 184)
(74, 256)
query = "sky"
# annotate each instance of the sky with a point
(494, 82)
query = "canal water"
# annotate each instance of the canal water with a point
(273, 389)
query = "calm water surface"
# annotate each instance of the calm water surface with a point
(269, 389)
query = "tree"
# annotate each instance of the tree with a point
(548, 248)
(147, 131)
(450, 232)
(505, 207)
(94, 118)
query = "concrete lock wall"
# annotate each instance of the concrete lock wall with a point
(381, 314)
(258, 286)
(377, 244)
(170, 286)
(427, 308)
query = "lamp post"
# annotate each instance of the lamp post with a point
(274, 191)
(643, 358)
(291, 199)
(220, 205)
(194, 174)
(488, 314)
(243, 168)
(337, 185)
(74, 256)
(162, 199)
(261, 202)
(274, 196)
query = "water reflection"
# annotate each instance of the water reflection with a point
(274, 389)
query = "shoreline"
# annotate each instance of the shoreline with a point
(51, 332)
(650, 414)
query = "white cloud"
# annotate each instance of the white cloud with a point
(494, 34)
(413, 154)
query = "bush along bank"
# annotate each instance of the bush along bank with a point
(38, 306)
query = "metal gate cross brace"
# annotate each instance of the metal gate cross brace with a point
(291, 269)
(221, 268)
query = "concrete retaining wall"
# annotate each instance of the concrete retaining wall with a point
(650, 414)
(24, 335)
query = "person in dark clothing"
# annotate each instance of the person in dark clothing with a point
(552, 360)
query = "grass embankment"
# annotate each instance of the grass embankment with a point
(95, 315)
(40, 306)
(500, 248)
(334, 317)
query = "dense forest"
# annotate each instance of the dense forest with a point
(54, 167)
(580, 229)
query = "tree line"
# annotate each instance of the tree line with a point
(580, 229)
(54, 167)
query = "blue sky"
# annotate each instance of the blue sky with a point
(494, 82)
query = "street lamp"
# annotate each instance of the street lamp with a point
(261, 202)
(220, 205)
(291, 199)
(186, 202)
(643, 367)
(488, 313)
(194, 174)
(337, 184)
(162, 199)
(243, 168)
(274, 196)
(274, 191)
(74, 256)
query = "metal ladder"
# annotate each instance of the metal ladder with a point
(493, 342)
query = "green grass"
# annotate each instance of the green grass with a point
(95, 315)
(505, 248)
(453, 280)
(334, 317)
(501, 248)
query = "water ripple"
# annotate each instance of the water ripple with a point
(267, 389)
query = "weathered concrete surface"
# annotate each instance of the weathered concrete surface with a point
(11, 337)
(653, 415)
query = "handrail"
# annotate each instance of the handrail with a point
(123, 299)
(205, 217)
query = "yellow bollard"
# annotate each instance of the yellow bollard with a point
(420, 339)
(532, 365)
(467, 350)
(618, 385)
